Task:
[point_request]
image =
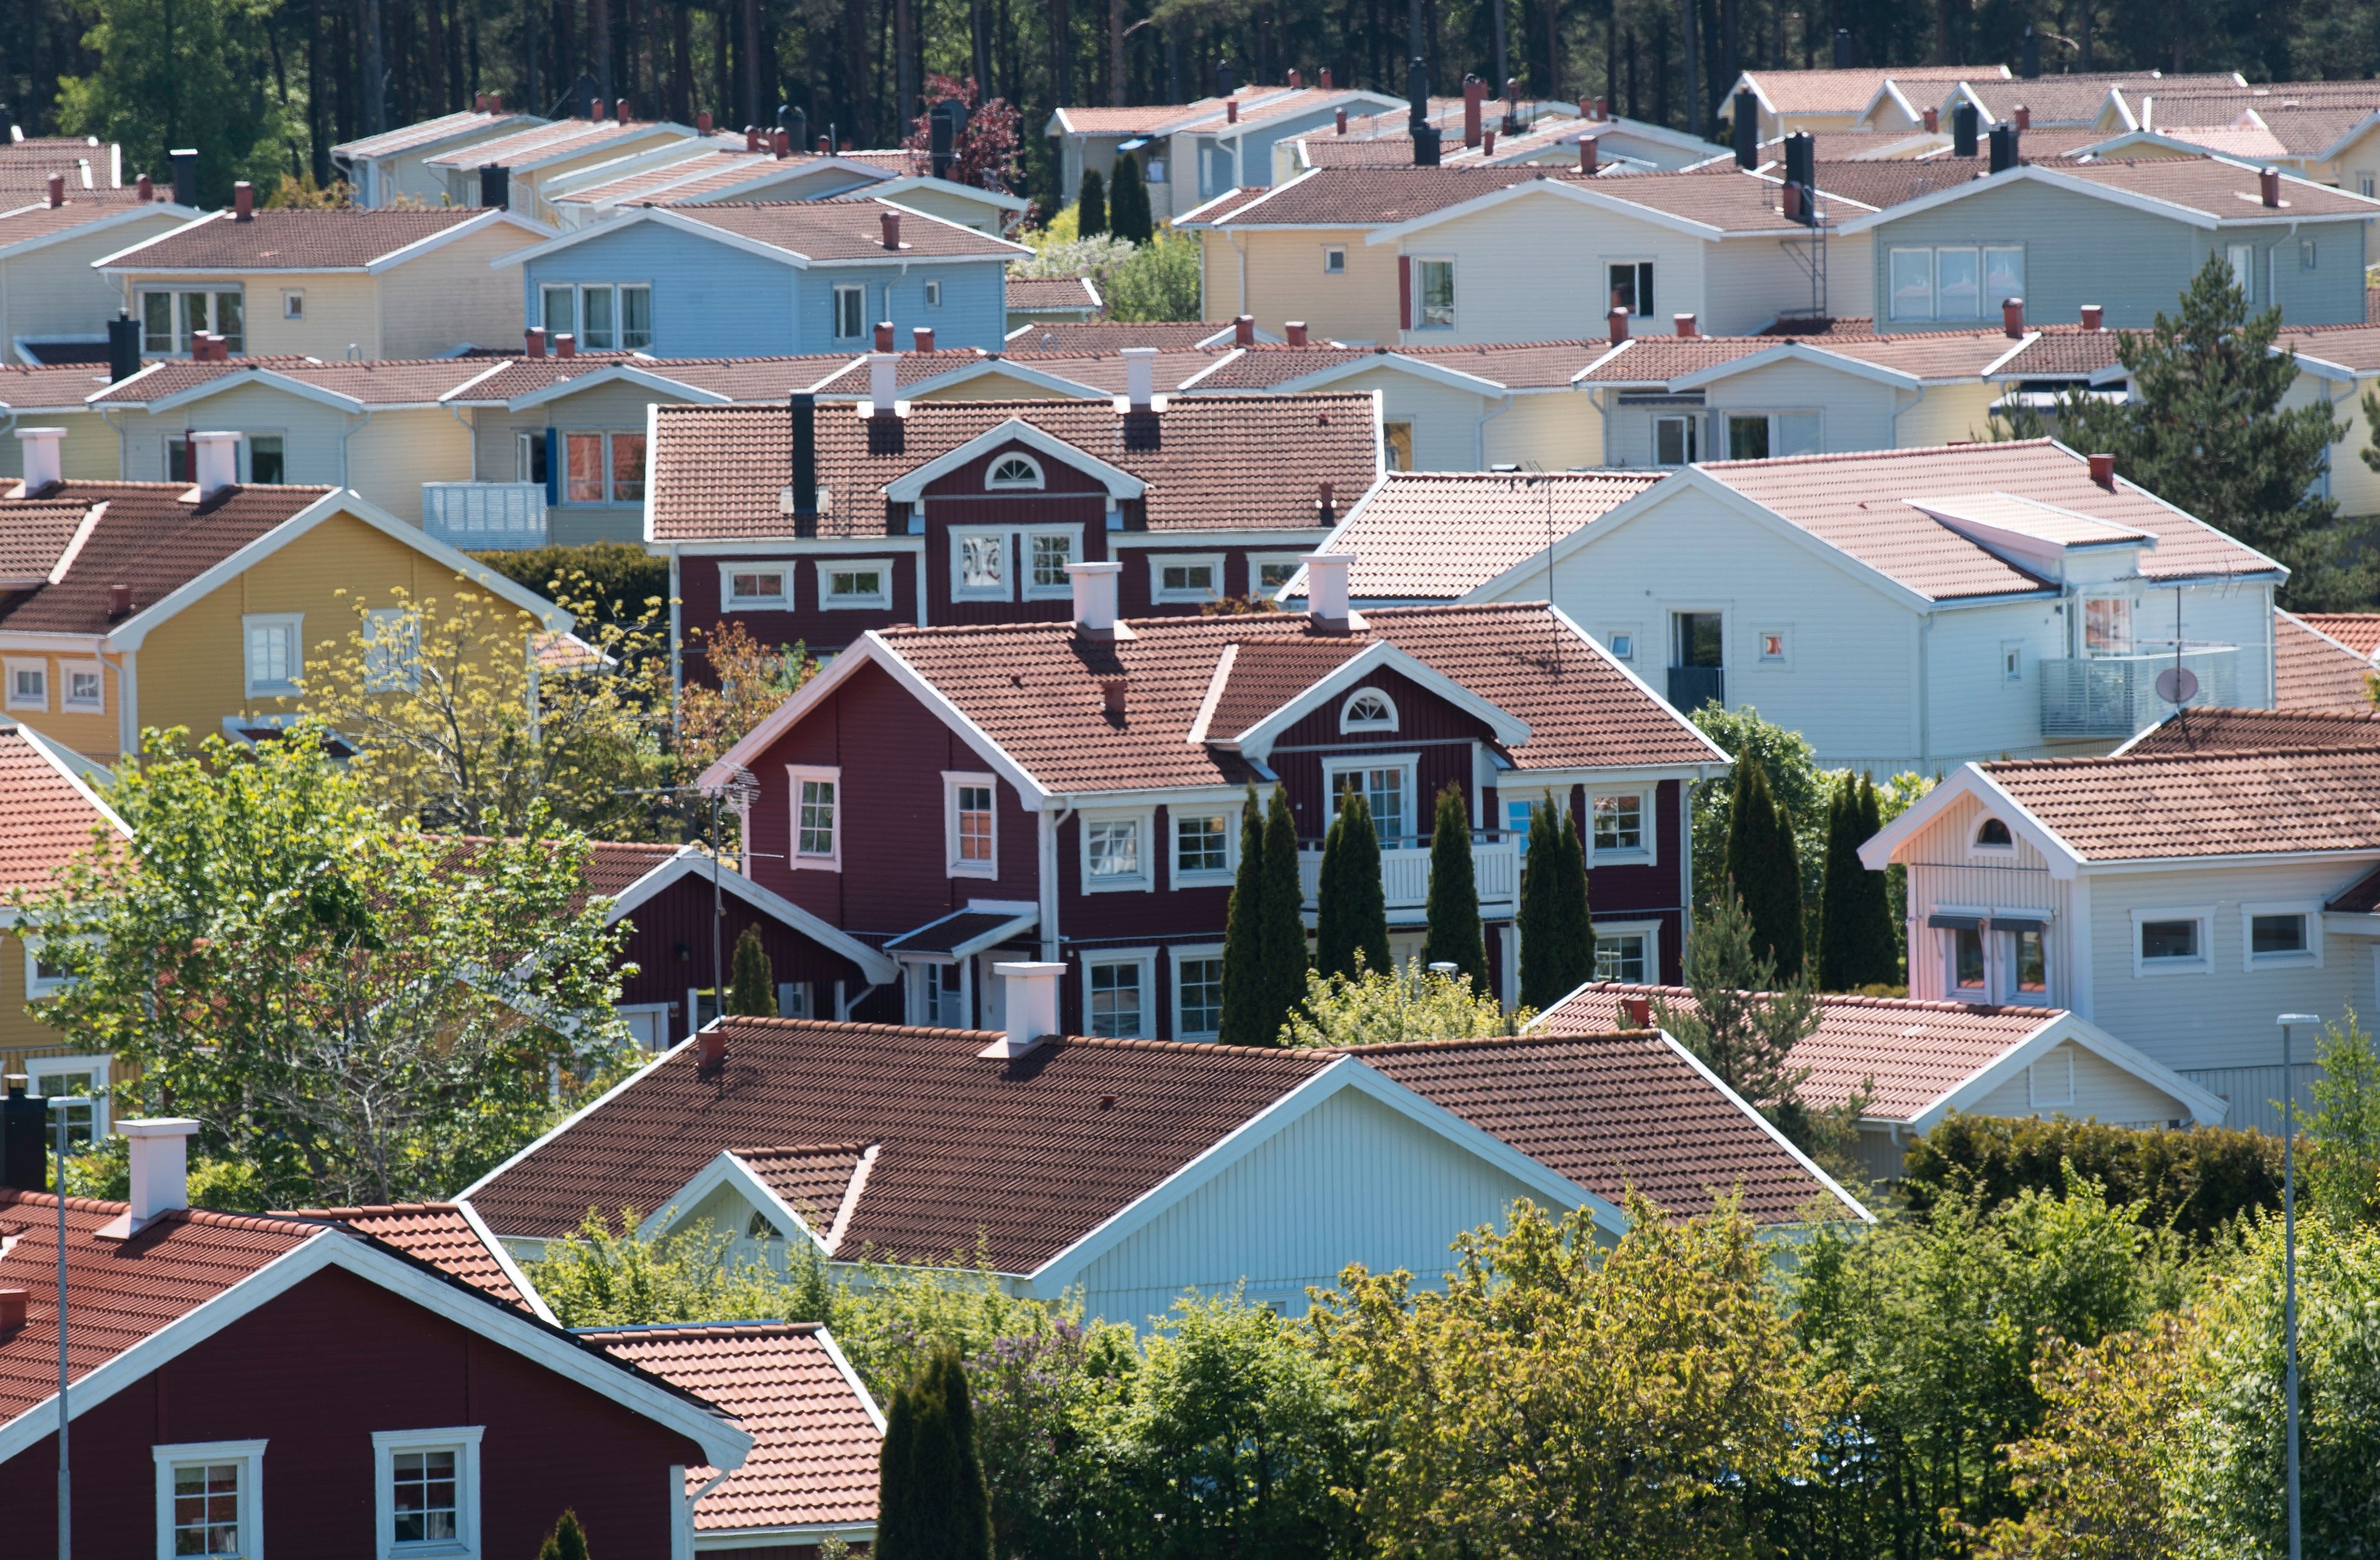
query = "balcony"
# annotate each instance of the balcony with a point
(1691, 688)
(2116, 695)
(485, 516)
(1405, 875)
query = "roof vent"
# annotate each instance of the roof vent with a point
(883, 369)
(2102, 472)
(1029, 997)
(1686, 324)
(1139, 377)
(1325, 590)
(119, 601)
(2012, 318)
(2268, 186)
(1339, 122)
(921, 338)
(243, 201)
(214, 457)
(891, 224)
(1295, 331)
(1094, 598)
(566, 344)
(43, 455)
(533, 341)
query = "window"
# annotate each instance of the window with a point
(744, 586)
(2003, 274)
(529, 457)
(42, 976)
(818, 816)
(2282, 934)
(1111, 854)
(1436, 301)
(2050, 1080)
(208, 1499)
(29, 684)
(853, 583)
(2365, 184)
(605, 317)
(850, 314)
(1912, 280)
(1701, 638)
(1632, 285)
(2242, 261)
(933, 295)
(561, 312)
(1772, 642)
(980, 564)
(1202, 847)
(1993, 834)
(1673, 441)
(2029, 964)
(1620, 824)
(1386, 787)
(2011, 660)
(1013, 470)
(1051, 552)
(272, 660)
(2268, 935)
(1197, 994)
(1114, 997)
(1957, 284)
(1621, 642)
(603, 468)
(1759, 435)
(86, 684)
(1747, 437)
(1627, 952)
(1518, 816)
(2305, 254)
(1267, 572)
(427, 1498)
(1334, 260)
(1191, 579)
(794, 999)
(2172, 940)
(1968, 977)
(628, 467)
(939, 1001)
(391, 650)
(73, 1077)
(1367, 709)
(169, 320)
(2106, 626)
(1397, 443)
(636, 318)
(293, 303)
(267, 463)
(970, 825)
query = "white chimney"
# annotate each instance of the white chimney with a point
(881, 367)
(216, 459)
(1140, 376)
(1326, 589)
(161, 1164)
(44, 456)
(1094, 597)
(1030, 995)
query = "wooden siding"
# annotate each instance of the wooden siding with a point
(89, 453)
(1503, 291)
(95, 734)
(2354, 484)
(385, 456)
(809, 623)
(452, 297)
(53, 292)
(1944, 874)
(669, 942)
(1279, 277)
(2102, 1091)
(1141, 553)
(342, 311)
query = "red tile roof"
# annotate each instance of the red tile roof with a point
(384, 382)
(1440, 535)
(2166, 805)
(2353, 347)
(1365, 197)
(2314, 671)
(46, 818)
(423, 132)
(36, 536)
(1211, 462)
(2078, 98)
(1849, 91)
(1657, 359)
(813, 1180)
(814, 1443)
(2359, 631)
(2228, 731)
(1032, 293)
(65, 386)
(1107, 335)
(436, 1233)
(537, 142)
(148, 539)
(1265, 675)
(82, 207)
(2218, 188)
(1534, 365)
(296, 238)
(2065, 351)
(832, 230)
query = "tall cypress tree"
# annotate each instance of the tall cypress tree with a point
(1352, 911)
(932, 1500)
(1455, 935)
(1556, 945)
(1282, 931)
(1244, 939)
(1128, 213)
(1766, 869)
(752, 984)
(1837, 889)
(1876, 952)
(1091, 207)
(969, 1528)
(567, 1541)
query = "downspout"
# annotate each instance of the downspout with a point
(1910, 406)
(1603, 419)
(1926, 688)
(677, 661)
(1237, 249)
(1051, 823)
(120, 463)
(682, 1533)
(457, 413)
(1479, 433)
(343, 447)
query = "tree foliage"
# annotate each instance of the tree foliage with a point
(1281, 925)
(1383, 1007)
(746, 680)
(1128, 212)
(177, 73)
(931, 1503)
(614, 581)
(1243, 1018)
(1453, 910)
(1788, 764)
(1351, 923)
(1855, 940)
(1742, 1021)
(566, 1542)
(752, 985)
(1091, 205)
(1556, 929)
(1159, 280)
(984, 154)
(599, 1277)
(1764, 872)
(2343, 1171)
(2195, 1183)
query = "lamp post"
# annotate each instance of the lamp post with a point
(2289, 1256)
(61, 1108)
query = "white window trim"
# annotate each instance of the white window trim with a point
(835, 326)
(1256, 569)
(1635, 263)
(918, 971)
(1026, 588)
(1455, 285)
(1648, 929)
(101, 1070)
(66, 670)
(1619, 641)
(1040, 478)
(1145, 883)
(1347, 712)
(1693, 438)
(1648, 820)
(1975, 846)
(782, 600)
(665, 1011)
(1174, 954)
(1783, 660)
(951, 780)
(462, 1440)
(1892, 292)
(1174, 818)
(2032, 1090)
(795, 774)
(1160, 562)
(36, 985)
(1145, 960)
(1946, 940)
(295, 623)
(1340, 252)
(1975, 250)
(2309, 959)
(37, 663)
(293, 303)
(1410, 763)
(2203, 965)
(1006, 590)
(2012, 649)
(933, 295)
(829, 601)
(249, 1455)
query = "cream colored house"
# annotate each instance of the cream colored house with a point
(49, 294)
(58, 397)
(533, 157)
(395, 164)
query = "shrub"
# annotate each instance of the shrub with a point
(2194, 1181)
(619, 577)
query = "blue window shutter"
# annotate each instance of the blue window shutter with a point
(554, 465)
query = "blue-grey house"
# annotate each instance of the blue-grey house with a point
(767, 279)
(2127, 235)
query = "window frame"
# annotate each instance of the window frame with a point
(1143, 882)
(38, 985)
(1780, 662)
(1615, 931)
(1980, 993)
(857, 292)
(2203, 964)
(617, 293)
(961, 590)
(294, 623)
(177, 317)
(1691, 440)
(1141, 960)
(953, 865)
(1973, 253)
(1620, 643)
(1257, 563)
(293, 304)
(1029, 589)
(249, 1456)
(1991, 298)
(15, 665)
(2013, 662)
(1348, 726)
(2012, 994)
(1643, 282)
(2245, 276)
(796, 775)
(97, 1070)
(1176, 955)
(1976, 844)
(461, 1440)
(1421, 320)
(1922, 254)
(2308, 957)
(1649, 849)
(1336, 764)
(1334, 259)
(830, 602)
(934, 294)
(2124, 617)
(1159, 592)
(1039, 483)
(67, 671)
(780, 601)
(1201, 877)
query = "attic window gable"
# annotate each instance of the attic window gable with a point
(1014, 471)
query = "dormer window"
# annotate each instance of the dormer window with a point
(1993, 834)
(1013, 472)
(1367, 709)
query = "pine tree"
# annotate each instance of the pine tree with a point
(969, 1531)
(752, 985)
(1241, 1021)
(1282, 931)
(1128, 215)
(1742, 1019)
(1876, 951)
(567, 1541)
(1091, 208)
(1838, 888)
(1351, 910)
(1557, 944)
(1765, 870)
(1455, 935)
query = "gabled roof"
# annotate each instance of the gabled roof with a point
(298, 239)
(1035, 294)
(533, 145)
(2192, 730)
(349, 385)
(1361, 197)
(49, 388)
(1439, 535)
(426, 132)
(2076, 98)
(1722, 202)
(441, 1234)
(30, 226)
(2202, 191)
(1107, 335)
(799, 233)
(1262, 689)
(1839, 92)
(48, 811)
(1486, 368)
(2359, 631)
(2314, 671)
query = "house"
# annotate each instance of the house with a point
(1470, 128)
(2315, 670)
(220, 1400)
(970, 511)
(729, 280)
(84, 162)
(325, 284)
(1910, 1064)
(2318, 130)
(57, 396)
(1191, 152)
(1040, 301)
(515, 171)
(2081, 99)
(54, 307)
(1981, 598)
(382, 169)
(1845, 98)
(196, 605)
(50, 797)
(1084, 781)
(2177, 895)
(2042, 233)
(713, 170)
(1127, 1172)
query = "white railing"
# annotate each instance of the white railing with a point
(2116, 695)
(483, 517)
(1404, 876)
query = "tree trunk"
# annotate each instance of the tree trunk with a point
(1061, 52)
(1115, 52)
(854, 93)
(1553, 51)
(436, 24)
(904, 67)
(599, 22)
(979, 51)
(682, 64)
(1693, 9)
(748, 56)
(318, 131)
(375, 70)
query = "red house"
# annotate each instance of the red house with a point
(821, 523)
(1070, 791)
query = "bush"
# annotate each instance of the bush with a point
(1159, 280)
(2195, 1181)
(620, 576)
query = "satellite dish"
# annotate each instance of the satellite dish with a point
(2177, 685)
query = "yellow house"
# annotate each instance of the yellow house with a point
(333, 285)
(51, 798)
(49, 295)
(139, 604)
(59, 396)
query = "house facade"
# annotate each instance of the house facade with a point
(53, 305)
(52, 796)
(382, 168)
(1191, 152)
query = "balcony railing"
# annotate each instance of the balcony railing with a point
(2115, 696)
(1405, 875)
(484, 517)
(1691, 688)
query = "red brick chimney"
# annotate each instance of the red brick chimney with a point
(1115, 696)
(534, 341)
(12, 1310)
(1326, 77)
(1686, 331)
(1618, 319)
(2102, 472)
(702, 123)
(479, 102)
(1295, 331)
(884, 335)
(1474, 93)
(781, 143)
(566, 344)
(57, 190)
(1231, 111)
(1326, 507)
(711, 1053)
(751, 137)
(2268, 185)
(496, 102)
(144, 189)
(1637, 1012)
(119, 601)
(1933, 121)
(1588, 161)
(1296, 81)
(2094, 317)
(1488, 143)
(1339, 122)
(891, 223)
(1244, 331)
(825, 147)
(620, 110)
(2012, 318)
(2024, 117)
(243, 201)
(921, 338)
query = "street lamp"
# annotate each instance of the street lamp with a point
(2289, 1255)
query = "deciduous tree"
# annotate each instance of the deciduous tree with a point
(747, 681)
(1389, 1006)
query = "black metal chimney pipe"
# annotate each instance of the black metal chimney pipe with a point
(1842, 48)
(942, 138)
(24, 1161)
(1802, 168)
(1747, 130)
(123, 347)
(801, 410)
(495, 186)
(797, 131)
(2004, 148)
(186, 176)
(1962, 131)
(2031, 66)
(1224, 84)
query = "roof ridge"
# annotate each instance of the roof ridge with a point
(1854, 999)
(1879, 454)
(2007, 767)
(627, 1330)
(1407, 1047)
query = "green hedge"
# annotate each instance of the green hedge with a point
(2195, 1180)
(622, 575)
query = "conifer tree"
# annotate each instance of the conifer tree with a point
(931, 1501)
(1855, 945)
(1556, 942)
(1241, 1021)
(1351, 910)
(1091, 207)
(1128, 213)
(1455, 935)
(1874, 934)
(1282, 956)
(752, 985)
(1765, 872)
(567, 1541)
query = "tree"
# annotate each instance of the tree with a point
(597, 1278)
(2345, 1127)
(567, 1541)
(984, 154)
(2204, 430)
(1091, 205)
(1128, 215)
(1393, 1006)
(1856, 943)
(747, 681)
(752, 986)
(1557, 937)
(1763, 868)
(931, 1503)
(1350, 931)
(174, 73)
(1800, 787)
(1282, 954)
(1243, 1018)
(1737, 1019)
(1159, 280)
(363, 1013)
(1453, 907)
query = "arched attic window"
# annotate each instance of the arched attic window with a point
(1993, 834)
(1013, 472)
(1367, 709)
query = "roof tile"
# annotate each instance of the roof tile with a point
(2314, 671)
(45, 818)
(2168, 805)
(832, 230)
(436, 1233)
(148, 539)
(1440, 535)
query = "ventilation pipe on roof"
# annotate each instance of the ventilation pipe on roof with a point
(186, 176)
(1094, 598)
(566, 344)
(2004, 147)
(889, 224)
(2012, 318)
(119, 601)
(1295, 331)
(1488, 143)
(826, 146)
(43, 456)
(123, 347)
(243, 200)
(1512, 125)
(801, 415)
(22, 1164)
(2029, 63)
(883, 371)
(1231, 112)
(1963, 119)
(144, 189)
(1326, 77)
(781, 142)
(1475, 100)
(1244, 330)
(1139, 377)
(2268, 186)
(1225, 84)
(1339, 121)
(215, 459)
(160, 1166)
(1618, 320)
(1747, 130)
(1325, 590)
(495, 186)
(751, 138)
(2094, 317)
(797, 129)
(1325, 507)
(1029, 996)
(921, 338)
(58, 192)
(1842, 48)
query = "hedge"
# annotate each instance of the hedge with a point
(2195, 1179)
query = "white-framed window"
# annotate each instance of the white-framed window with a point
(82, 685)
(1047, 553)
(391, 650)
(603, 468)
(850, 312)
(1628, 950)
(2365, 183)
(1388, 784)
(2279, 933)
(29, 683)
(970, 825)
(209, 1500)
(2026, 979)
(851, 584)
(2049, 1081)
(1203, 845)
(293, 303)
(749, 586)
(1674, 441)
(1197, 990)
(1910, 281)
(1115, 852)
(2106, 626)
(2013, 661)
(1621, 828)
(1968, 972)
(1367, 709)
(1992, 838)
(1115, 995)
(1267, 572)
(426, 1492)
(2305, 254)
(1185, 577)
(271, 653)
(1757, 435)
(2003, 274)
(1620, 642)
(42, 976)
(1434, 294)
(73, 1077)
(979, 570)
(794, 999)
(816, 796)
(933, 295)
(1958, 282)
(938, 995)
(2173, 940)
(1631, 286)
(1772, 647)
(168, 319)
(1014, 471)
(1334, 259)
(2241, 257)
(1521, 815)
(605, 316)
